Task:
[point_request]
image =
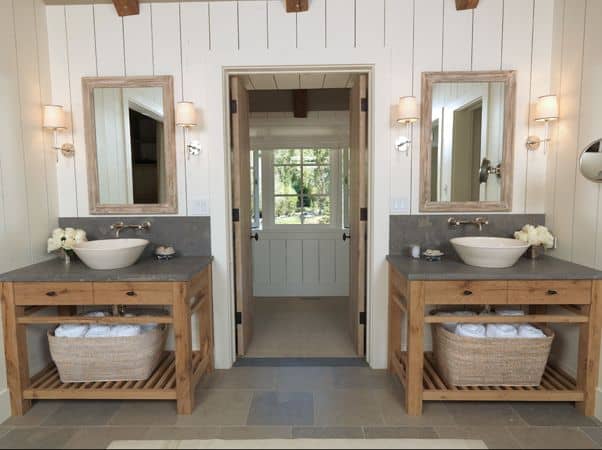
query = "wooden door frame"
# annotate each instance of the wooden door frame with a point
(357, 69)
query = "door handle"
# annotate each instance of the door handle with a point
(255, 236)
(346, 236)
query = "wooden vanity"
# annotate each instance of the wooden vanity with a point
(553, 291)
(183, 286)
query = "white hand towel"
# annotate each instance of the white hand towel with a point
(71, 331)
(502, 331)
(510, 312)
(125, 330)
(149, 327)
(98, 331)
(471, 330)
(96, 314)
(451, 327)
(530, 332)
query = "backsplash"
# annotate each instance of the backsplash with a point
(433, 231)
(190, 236)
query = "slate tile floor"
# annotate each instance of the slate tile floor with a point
(304, 402)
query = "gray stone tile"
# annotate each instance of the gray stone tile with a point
(305, 379)
(219, 408)
(36, 415)
(348, 408)
(552, 438)
(82, 414)
(251, 378)
(394, 413)
(146, 414)
(37, 438)
(485, 414)
(595, 434)
(244, 433)
(281, 409)
(400, 433)
(360, 378)
(102, 437)
(328, 433)
(552, 415)
(5, 430)
(181, 433)
(494, 437)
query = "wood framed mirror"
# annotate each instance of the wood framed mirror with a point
(467, 141)
(130, 140)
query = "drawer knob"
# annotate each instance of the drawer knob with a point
(552, 292)
(131, 294)
(467, 293)
(51, 294)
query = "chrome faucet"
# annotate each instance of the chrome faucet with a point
(477, 221)
(120, 226)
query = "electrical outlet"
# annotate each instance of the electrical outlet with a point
(400, 205)
(199, 206)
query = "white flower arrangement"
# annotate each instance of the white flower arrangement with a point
(65, 239)
(536, 236)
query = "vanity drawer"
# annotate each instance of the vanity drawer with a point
(550, 292)
(466, 292)
(133, 293)
(31, 294)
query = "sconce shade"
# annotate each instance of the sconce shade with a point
(54, 117)
(408, 111)
(547, 109)
(186, 114)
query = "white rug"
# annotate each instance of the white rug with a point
(304, 444)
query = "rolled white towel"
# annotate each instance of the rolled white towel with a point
(451, 327)
(530, 332)
(71, 331)
(98, 331)
(502, 331)
(149, 327)
(510, 312)
(125, 330)
(95, 314)
(471, 330)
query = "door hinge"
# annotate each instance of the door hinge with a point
(362, 318)
(238, 318)
(233, 106)
(364, 214)
(236, 215)
(365, 104)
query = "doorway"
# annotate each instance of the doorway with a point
(299, 195)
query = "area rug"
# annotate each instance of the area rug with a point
(304, 443)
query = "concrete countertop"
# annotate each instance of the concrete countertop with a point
(546, 268)
(182, 268)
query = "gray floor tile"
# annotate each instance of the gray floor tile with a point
(251, 378)
(36, 415)
(348, 408)
(485, 414)
(181, 433)
(305, 379)
(552, 415)
(400, 433)
(82, 414)
(552, 438)
(361, 378)
(219, 408)
(102, 437)
(394, 413)
(145, 414)
(37, 438)
(243, 433)
(281, 409)
(328, 433)
(494, 437)
(595, 434)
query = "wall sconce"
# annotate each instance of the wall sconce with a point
(546, 110)
(408, 113)
(186, 118)
(54, 119)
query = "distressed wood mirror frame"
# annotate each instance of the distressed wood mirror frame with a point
(166, 84)
(507, 164)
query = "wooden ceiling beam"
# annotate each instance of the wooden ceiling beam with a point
(127, 7)
(462, 5)
(300, 104)
(295, 6)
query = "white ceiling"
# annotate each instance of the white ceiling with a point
(287, 81)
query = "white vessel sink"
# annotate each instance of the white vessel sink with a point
(489, 252)
(110, 254)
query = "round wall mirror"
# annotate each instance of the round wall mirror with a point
(591, 162)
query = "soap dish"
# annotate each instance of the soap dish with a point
(164, 253)
(433, 255)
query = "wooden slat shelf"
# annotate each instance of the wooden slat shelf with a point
(161, 385)
(49, 320)
(556, 386)
(537, 318)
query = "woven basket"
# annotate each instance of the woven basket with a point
(81, 360)
(466, 361)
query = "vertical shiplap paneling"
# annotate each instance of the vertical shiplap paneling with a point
(311, 26)
(294, 261)
(31, 126)
(277, 262)
(428, 56)
(311, 270)
(568, 136)
(109, 41)
(327, 261)
(400, 39)
(61, 95)
(223, 18)
(517, 55)
(138, 43)
(342, 262)
(340, 23)
(261, 255)
(82, 63)
(167, 49)
(282, 27)
(370, 26)
(195, 47)
(487, 35)
(543, 28)
(587, 194)
(252, 25)
(14, 186)
(457, 37)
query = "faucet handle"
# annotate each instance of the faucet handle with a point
(117, 225)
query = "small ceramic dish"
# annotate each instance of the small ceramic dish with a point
(165, 253)
(433, 255)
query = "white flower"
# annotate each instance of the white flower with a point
(58, 233)
(69, 244)
(53, 246)
(535, 236)
(70, 233)
(80, 236)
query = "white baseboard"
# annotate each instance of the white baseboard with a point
(5, 411)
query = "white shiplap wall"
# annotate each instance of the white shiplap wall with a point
(28, 197)
(398, 39)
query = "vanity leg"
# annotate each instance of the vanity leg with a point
(589, 353)
(395, 320)
(183, 338)
(15, 341)
(414, 386)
